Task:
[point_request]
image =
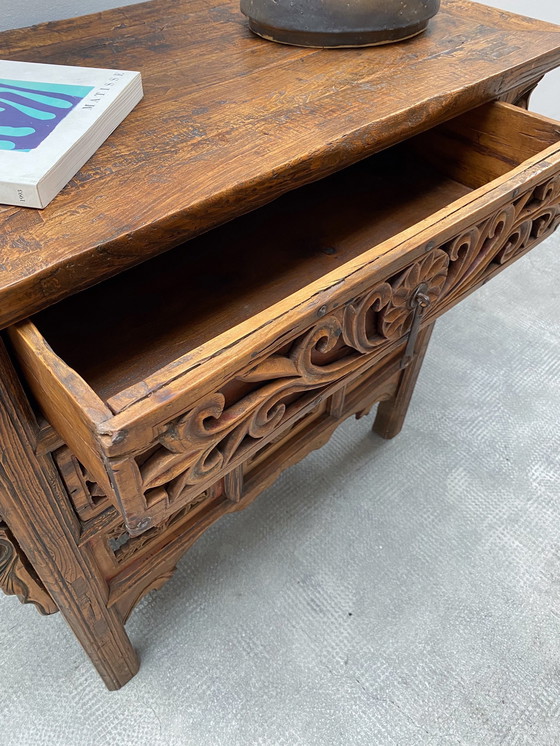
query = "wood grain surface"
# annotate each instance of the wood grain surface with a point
(36, 509)
(229, 122)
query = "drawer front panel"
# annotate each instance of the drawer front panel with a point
(224, 430)
(205, 419)
(230, 425)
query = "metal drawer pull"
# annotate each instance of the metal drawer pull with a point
(419, 302)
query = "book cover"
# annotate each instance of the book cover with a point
(52, 119)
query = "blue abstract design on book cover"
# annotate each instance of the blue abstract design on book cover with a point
(30, 111)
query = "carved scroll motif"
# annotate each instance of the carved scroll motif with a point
(16, 579)
(202, 444)
(502, 237)
(216, 434)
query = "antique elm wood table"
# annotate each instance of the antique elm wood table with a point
(313, 213)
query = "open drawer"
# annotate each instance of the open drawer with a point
(167, 378)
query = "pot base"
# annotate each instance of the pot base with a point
(335, 40)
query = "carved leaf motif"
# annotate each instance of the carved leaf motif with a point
(16, 579)
(544, 222)
(273, 367)
(472, 252)
(9, 580)
(547, 193)
(461, 251)
(499, 239)
(163, 467)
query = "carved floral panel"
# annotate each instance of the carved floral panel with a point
(217, 434)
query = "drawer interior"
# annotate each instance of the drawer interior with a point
(119, 332)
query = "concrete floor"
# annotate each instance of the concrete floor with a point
(403, 592)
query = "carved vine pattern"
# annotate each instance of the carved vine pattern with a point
(205, 442)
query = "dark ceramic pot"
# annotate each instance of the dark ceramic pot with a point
(338, 23)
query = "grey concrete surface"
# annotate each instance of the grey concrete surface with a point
(403, 592)
(15, 15)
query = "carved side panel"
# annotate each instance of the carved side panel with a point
(100, 521)
(17, 577)
(124, 548)
(111, 548)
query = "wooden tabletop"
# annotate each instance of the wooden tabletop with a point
(230, 121)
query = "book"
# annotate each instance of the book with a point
(52, 120)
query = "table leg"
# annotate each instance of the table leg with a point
(391, 413)
(35, 506)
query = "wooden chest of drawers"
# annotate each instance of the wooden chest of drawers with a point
(176, 391)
